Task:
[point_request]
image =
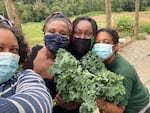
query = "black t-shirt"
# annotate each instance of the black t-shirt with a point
(49, 82)
(29, 62)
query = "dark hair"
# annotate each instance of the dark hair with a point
(112, 32)
(23, 47)
(60, 16)
(91, 20)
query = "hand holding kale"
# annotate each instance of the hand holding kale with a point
(86, 80)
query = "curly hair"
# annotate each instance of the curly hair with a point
(91, 20)
(23, 46)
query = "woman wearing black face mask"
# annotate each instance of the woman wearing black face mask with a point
(83, 33)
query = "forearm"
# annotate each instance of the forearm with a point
(112, 108)
(31, 94)
(24, 103)
(107, 107)
(7, 107)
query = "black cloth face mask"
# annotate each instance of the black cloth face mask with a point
(81, 46)
(55, 41)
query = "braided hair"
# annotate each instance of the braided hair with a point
(91, 20)
(57, 16)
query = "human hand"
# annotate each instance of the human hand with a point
(101, 104)
(68, 106)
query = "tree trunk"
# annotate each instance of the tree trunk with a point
(12, 13)
(136, 29)
(108, 12)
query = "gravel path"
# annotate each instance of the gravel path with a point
(138, 54)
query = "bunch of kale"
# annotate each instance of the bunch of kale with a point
(86, 80)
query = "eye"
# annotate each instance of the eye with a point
(14, 50)
(52, 31)
(63, 33)
(1, 49)
(88, 34)
(77, 33)
(96, 41)
(107, 42)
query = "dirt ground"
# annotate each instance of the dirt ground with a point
(137, 53)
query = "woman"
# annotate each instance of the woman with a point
(25, 91)
(137, 95)
(83, 33)
(57, 27)
(57, 31)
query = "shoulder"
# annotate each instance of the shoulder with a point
(122, 62)
(121, 66)
(36, 48)
(31, 94)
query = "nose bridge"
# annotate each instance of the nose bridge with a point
(6, 50)
(57, 32)
(83, 35)
(101, 42)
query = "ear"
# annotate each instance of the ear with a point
(115, 47)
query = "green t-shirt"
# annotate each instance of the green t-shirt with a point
(137, 95)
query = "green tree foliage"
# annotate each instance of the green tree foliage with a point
(124, 24)
(2, 8)
(32, 13)
(128, 5)
(38, 10)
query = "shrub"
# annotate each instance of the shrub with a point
(124, 24)
(144, 27)
(141, 36)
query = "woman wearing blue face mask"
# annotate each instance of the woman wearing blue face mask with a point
(137, 95)
(22, 91)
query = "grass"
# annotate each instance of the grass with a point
(34, 35)
(33, 32)
(89, 14)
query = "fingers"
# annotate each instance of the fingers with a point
(68, 106)
(59, 99)
(101, 104)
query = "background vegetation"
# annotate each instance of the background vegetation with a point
(38, 10)
(33, 13)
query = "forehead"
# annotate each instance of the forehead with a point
(58, 24)
(7, 37)
(84, 24)
(103, 36)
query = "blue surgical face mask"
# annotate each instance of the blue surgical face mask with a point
(104, 51)
(55, 41)
(8, 65)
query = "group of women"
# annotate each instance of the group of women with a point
(78, 37)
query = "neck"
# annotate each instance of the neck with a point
(111, 59)
(49, 54)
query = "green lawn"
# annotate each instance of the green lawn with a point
(34, 35)
(33, 32)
